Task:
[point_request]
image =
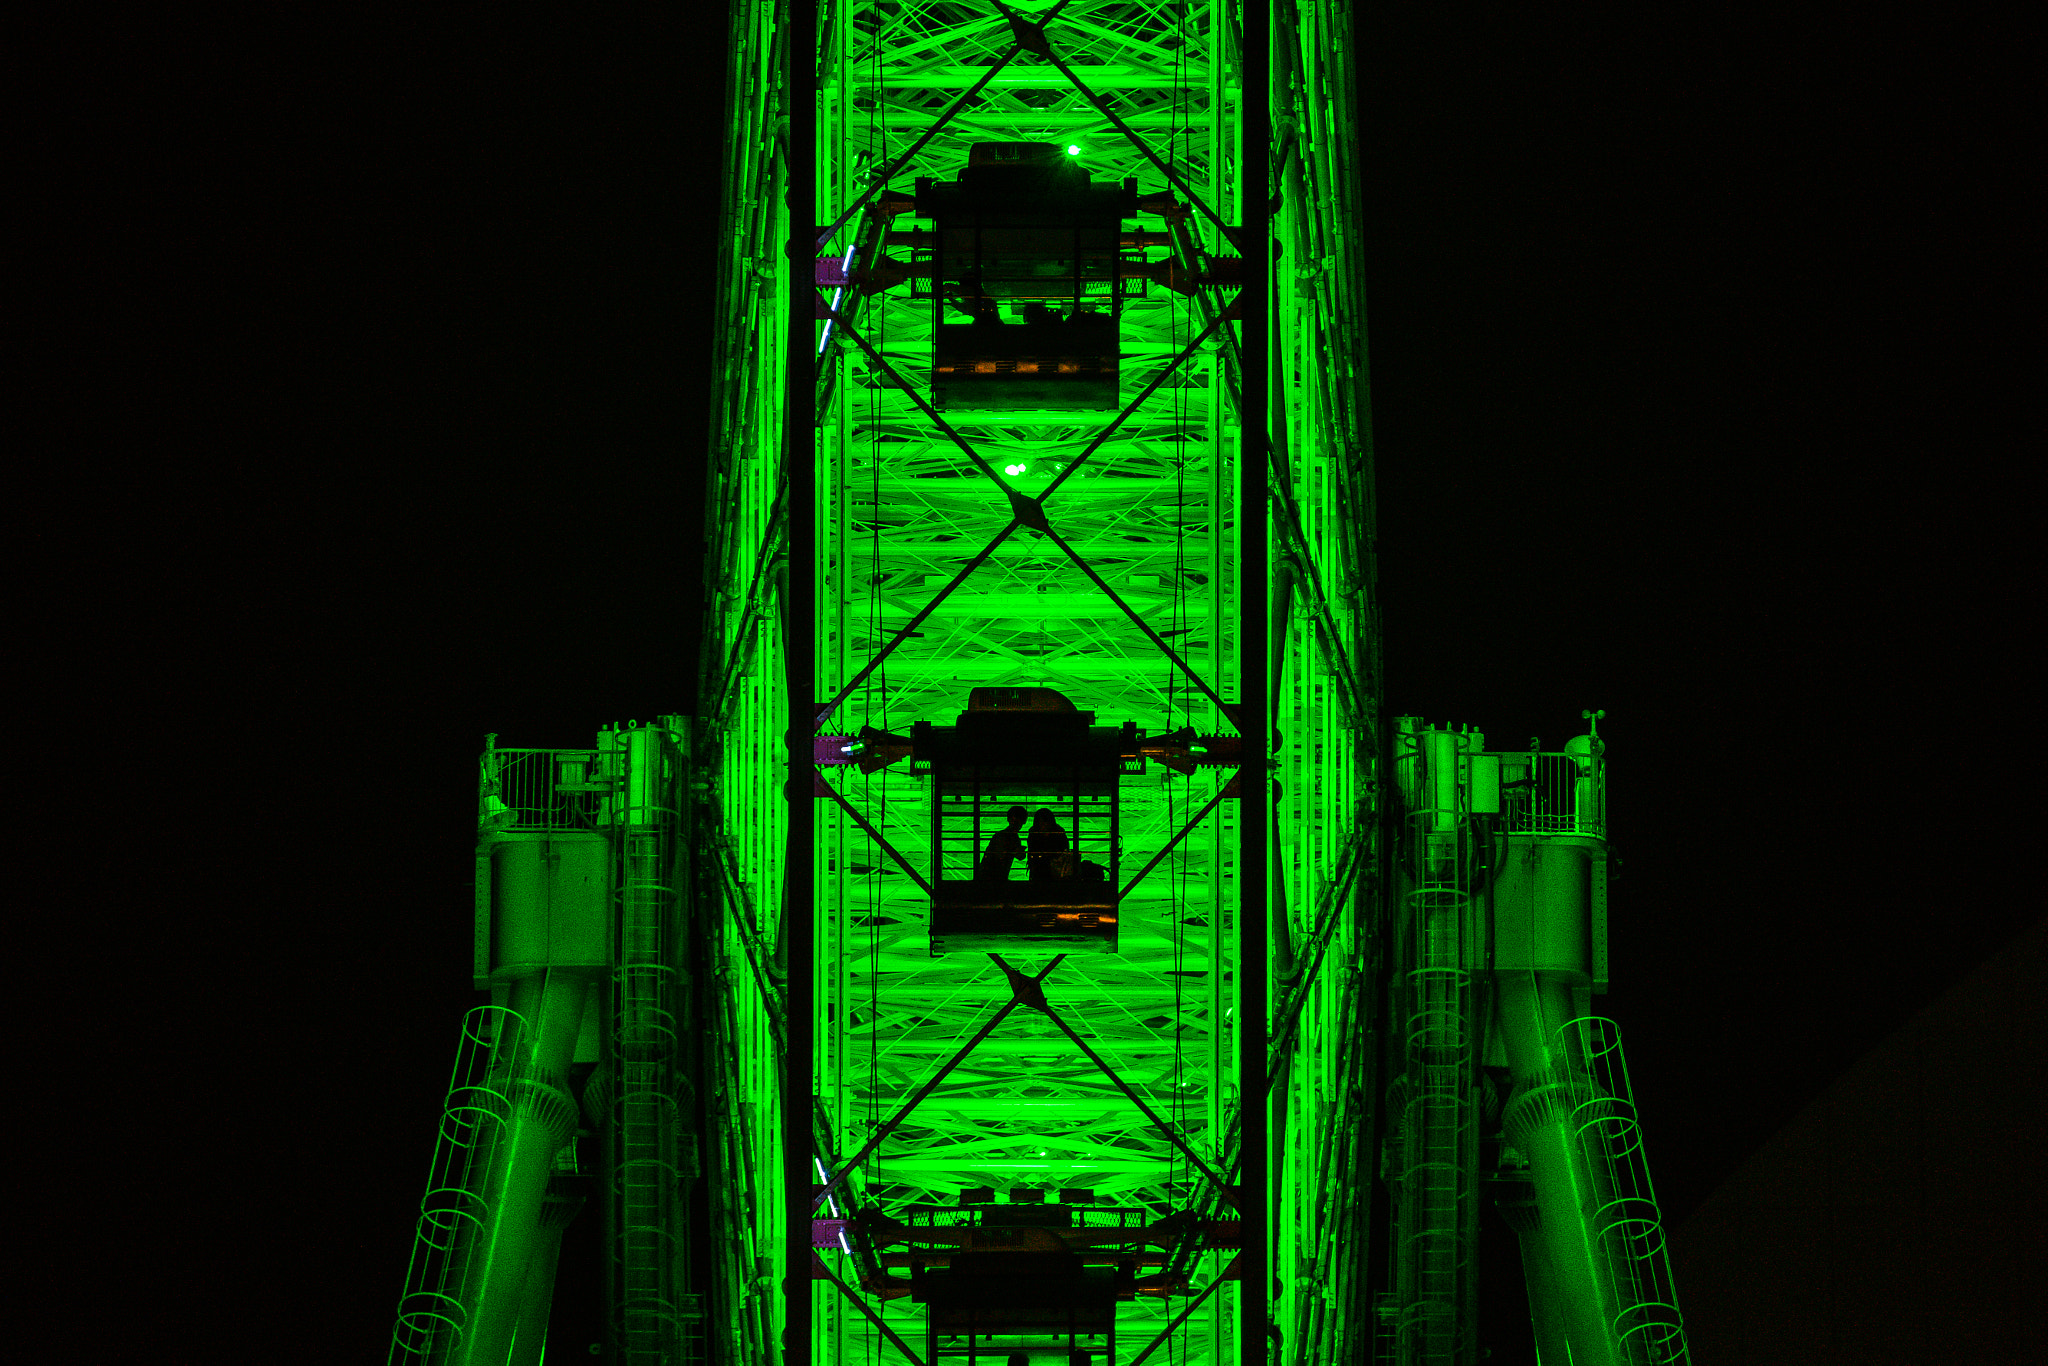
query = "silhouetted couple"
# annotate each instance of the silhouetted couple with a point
(1045, 849)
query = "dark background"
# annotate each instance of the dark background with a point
(372, 407)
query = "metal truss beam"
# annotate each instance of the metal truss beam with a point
(1119, 557)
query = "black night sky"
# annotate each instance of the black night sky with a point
(373, 408)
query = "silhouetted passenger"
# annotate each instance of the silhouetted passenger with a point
(975, 301)
(1050, 855)
(1005, 847)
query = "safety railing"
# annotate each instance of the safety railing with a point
(1552, 794)
(539, 790)
(431, 1313)
(1646, 1318)
(1087, 825)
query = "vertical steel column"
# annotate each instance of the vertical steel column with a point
(1438, 1132)
(537, 1301)
(1254, 660)
(646, 1116)
(1546, 1307)
(799, 599)
(530, 1069)
(1543, 1121)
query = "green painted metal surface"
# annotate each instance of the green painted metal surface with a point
(580, 1090)
(743, 711)
(1505, 1088)
(1153, 513)
(1128, 547)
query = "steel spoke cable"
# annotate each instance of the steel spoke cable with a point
(904, 632)
(1327, 634)
(1024, 511)
(1129, 408)
(1144, 626)
(877, 836)
(1102, 108)
(892, 169)
(1179, 835)
(881, 362)
(1114, 997)
(896, 1121)
(1185, 1314)
(757, 955)
(1130, 1094)
(943, 1007)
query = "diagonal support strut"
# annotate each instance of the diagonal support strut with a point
(895, 1121)
(965, 101)
(909, 628)
(1179, 835)
(890, 1333)
(1184, 1315)
(1171, 1134)
(1200, 683)
(877, 836)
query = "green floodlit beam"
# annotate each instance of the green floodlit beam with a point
(1034, 119)
(1093, 1102)
(918, 443)
(1123, 1047)
(1028, 77)
(953, 551)
(1079, 1091)
(1096, 1156)
(1022, 670)
(1108, 1141)
(1070, 1080)
(863, 460)
(1065, 606)
(1112, 480)
(897, 969)
(1126, 994)
(1151, 452)
(1141, 945)
(1026, 1107)
(1189, 1099)
(972, 1166)
(969, 421)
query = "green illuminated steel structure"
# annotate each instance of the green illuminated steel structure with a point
(1039, 946)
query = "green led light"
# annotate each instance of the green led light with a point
(1014, 469)
(1073, 150)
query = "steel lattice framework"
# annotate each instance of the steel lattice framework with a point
(1111, 560)
(1306, 988)
(744, 706)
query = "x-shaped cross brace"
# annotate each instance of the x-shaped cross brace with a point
(1026, 990)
